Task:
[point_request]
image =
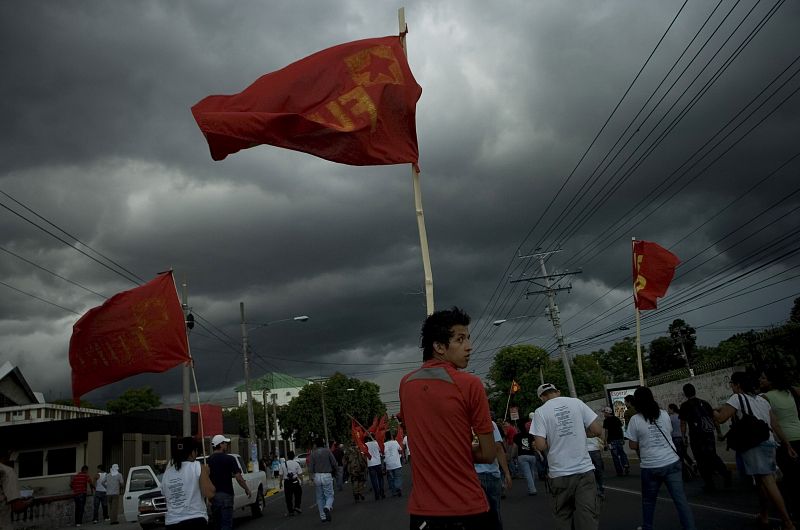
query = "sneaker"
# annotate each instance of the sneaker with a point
(298, 510)
(95, 521)
(327, 514)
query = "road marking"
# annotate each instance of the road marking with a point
(694, 504)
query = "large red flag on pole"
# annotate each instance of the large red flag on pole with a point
(136, 331)
(653, 269)
(354, 103)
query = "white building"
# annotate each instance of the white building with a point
(19, 404)
(281, 388)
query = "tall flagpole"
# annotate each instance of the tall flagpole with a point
(423, 235)
(636, 309)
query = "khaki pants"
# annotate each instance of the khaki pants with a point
(575, 502)
(113, 507)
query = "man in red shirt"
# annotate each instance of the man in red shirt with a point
(80, 484)
(444, 411)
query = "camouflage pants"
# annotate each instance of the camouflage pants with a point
(358, 481)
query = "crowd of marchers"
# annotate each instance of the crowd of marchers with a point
(463, 461)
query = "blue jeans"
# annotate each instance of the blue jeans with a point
(671, 475)
(493, 488)
(323, 484)
(376, 478)
(100, 499)
(395, 477)
(618, 455)
(80, 504)
(528, 465)
(222, 511)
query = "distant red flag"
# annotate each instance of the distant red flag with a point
(514, 387)
(653, 269)
(380, 433)
(354, 103)
(357, 433)
(136, 331)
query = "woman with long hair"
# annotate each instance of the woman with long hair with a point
(759, 461)
(785, 402)
(185, 483)
(650, 433)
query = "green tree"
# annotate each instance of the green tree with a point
(587, 375)
(664, 356)
(68, 402)
(684, 339)
(794, 316)
(134, 400)
(303, 415)
(239, 414)
(619, 362)
(518, 363)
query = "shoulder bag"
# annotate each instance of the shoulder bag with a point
(748, 431)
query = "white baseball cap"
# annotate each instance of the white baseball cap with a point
(544, 388)
(218, 439)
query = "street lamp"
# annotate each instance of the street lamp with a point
(251, 420)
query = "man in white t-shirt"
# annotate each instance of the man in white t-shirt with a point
(374, 467)
(560, 426)
(394, 465)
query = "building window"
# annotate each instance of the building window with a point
(61, 461)
(30, 464)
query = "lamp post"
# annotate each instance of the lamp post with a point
(251, 421)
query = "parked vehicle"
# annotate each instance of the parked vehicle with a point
(144, 502)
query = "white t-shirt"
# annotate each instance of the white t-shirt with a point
(290, 466)
(391, 454)
(374, 453)
(405, 444)
(563, 422)
(494, 467)
(759, 405)
(181, 488)
(654, 449)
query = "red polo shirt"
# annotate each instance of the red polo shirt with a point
(441, 408)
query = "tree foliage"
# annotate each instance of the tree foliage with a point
(134, 400)
(519, 363)
(303, 415)
(619, 362)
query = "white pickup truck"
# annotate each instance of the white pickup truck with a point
(144, 502)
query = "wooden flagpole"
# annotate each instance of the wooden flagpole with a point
(638, 323)
(508, 402)
(423, 235)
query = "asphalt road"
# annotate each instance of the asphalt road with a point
(727, 509)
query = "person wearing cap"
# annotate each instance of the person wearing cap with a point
(222, 468)
(615, 440)
(560, 426)
(444, 409)
(185, 485)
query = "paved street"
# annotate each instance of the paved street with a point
(727, 509)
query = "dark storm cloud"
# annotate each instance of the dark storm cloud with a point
(98, 138)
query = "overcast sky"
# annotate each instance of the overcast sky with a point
(532, 135)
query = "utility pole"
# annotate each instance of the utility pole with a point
(187, 369)
(275, 413)
(266, 422)
(553, 313)
(251, 420)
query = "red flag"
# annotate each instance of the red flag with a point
(354, 103)
(653, 269)
(514, 387)
(357, 432)
(136, 331)
(380, 433)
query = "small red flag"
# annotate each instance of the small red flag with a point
(136, 331)
(380, 433)
(357, 432)
(653, 269)
(354, 103)
(514, 387)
